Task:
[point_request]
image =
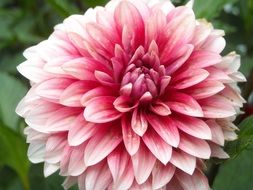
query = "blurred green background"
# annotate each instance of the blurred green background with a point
(26, 22)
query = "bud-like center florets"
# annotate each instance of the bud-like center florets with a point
(144, 74)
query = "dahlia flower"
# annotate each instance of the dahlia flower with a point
(133, 95)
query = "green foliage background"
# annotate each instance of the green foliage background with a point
(24, 23)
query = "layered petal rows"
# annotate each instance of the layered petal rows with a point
(133, 95)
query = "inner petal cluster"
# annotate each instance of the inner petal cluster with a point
(144, 74)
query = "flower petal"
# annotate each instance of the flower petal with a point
(53, 88)
(160, 149)
(217, 151)
(121, 169)
(54, 148)
(127, 16)
(124, 104)
(97, 177)
(69, 182)
(215, 42)
(217, 133)
(36, 152)
(76, 163)
(130, 138)
(49, 169)
(193, 182)
(101, 110)
(139, 122)
(185, 104)
(201, 59)
(33, 72)
(233, 95)
(71, 96)
(81, 130)
(218, 75)
(105, 79)
(205, 89)
(147, 185)
(194, 146)
(102, 144)
(180, 28)
(194, 127)
(83, 68)
(183, 161)
(161, 175)
(143, 163)
(160, 108)
(217, 107)
(175, 61)
(60, 120)
(95, 92)
(166, 128)
(189, 78)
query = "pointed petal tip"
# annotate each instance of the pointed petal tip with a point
(190, 4)
(49, 169)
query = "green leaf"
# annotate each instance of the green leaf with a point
(11, 93)
(246, 9)
(9, 179)
(92, 3)
(224, 26)
(237, 173)
(24, 31)
(9, 62)
(13, 153)
(63, 7)
(15, 185)
(245, 138)
(209, 9)
(6, 32)
(247, 65)
(39, 182)
(3, 2)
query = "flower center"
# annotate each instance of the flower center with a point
(144, 74)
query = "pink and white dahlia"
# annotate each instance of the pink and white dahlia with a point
(133, 95)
